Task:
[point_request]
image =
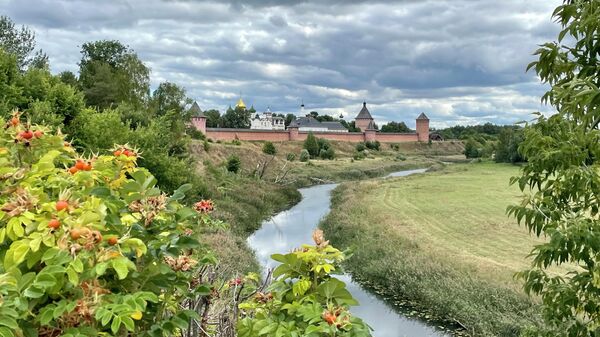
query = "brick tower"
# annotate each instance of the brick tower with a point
(423, 128)
(364, 118)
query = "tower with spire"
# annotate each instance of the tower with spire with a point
(364, 120)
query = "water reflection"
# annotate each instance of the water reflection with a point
(292, 228)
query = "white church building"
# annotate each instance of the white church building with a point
(266, 121)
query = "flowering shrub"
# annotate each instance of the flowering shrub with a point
(90, 246)
(304, 300)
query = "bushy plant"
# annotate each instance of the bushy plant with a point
(234, 164)
(90, 245)
(328, 153)
(472, 149)
(236, 142)
(291, 157)
(206, 145)
(311, 145)
(304, 155)
(269, 148)
(400, 157)
(304, 299)
(395, 147)
(373, 145)
(360, 146)
(359, 155)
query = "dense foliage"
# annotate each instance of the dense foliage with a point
(90, 245)
(304, 299)
(562, 176)
(269, 148)
(397, 127)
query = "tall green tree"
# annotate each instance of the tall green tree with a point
(111, 73)
(20, 42)
(507, 148)
(311, 145)
(398, 127)
(238, 118)
(169, 96)
(213, 118)
(562, 177)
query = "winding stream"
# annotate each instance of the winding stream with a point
(292, 228)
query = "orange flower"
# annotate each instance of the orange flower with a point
(204, 206)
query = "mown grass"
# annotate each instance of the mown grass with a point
(441, 241)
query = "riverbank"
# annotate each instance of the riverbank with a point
(243, 201)
(439, 242)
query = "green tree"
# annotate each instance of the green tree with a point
(269, 148)
(311, 145)
(21, 43)
(169, 96)
(213, 118)
(398, 127)
(237, 118)
(471, 149)
(67, 77)
(562, 177)
(111, 73)
(507, 149)
(289, 118)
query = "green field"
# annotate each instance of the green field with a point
(441, 241)
(459, 215)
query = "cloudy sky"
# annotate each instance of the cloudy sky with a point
(459, 61)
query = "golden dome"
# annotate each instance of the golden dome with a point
(240, 104)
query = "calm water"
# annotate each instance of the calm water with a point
(292, 228)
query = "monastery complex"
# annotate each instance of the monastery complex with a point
(268, 127)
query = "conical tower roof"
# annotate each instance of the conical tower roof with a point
(195, 110)
(364, 113)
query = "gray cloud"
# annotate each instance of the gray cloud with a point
(459, 61)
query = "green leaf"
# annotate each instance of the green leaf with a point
(120, 265)
(44, 281)
(115, 325)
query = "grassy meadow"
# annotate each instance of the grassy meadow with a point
(442, 242)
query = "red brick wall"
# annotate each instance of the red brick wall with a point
(354, 137)
(280, 136)
(396, 137)
(246, 134)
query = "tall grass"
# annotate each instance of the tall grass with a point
(404, 270)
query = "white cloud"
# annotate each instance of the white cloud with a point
(459, 61)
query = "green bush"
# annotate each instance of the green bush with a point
(291, 157)
(269, 148)
(234, 164)
(359, 155)
(472, 149)
(311, 145)
(373, 145)
(304, 155)
(400, 157)
(395, 147)
(89, 261)
(206, 145)
(236, 142)
(361, 146)
(328, 153)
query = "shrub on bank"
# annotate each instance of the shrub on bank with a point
(304, 155)
(291, 157)
(269, 148)
(233, 164)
